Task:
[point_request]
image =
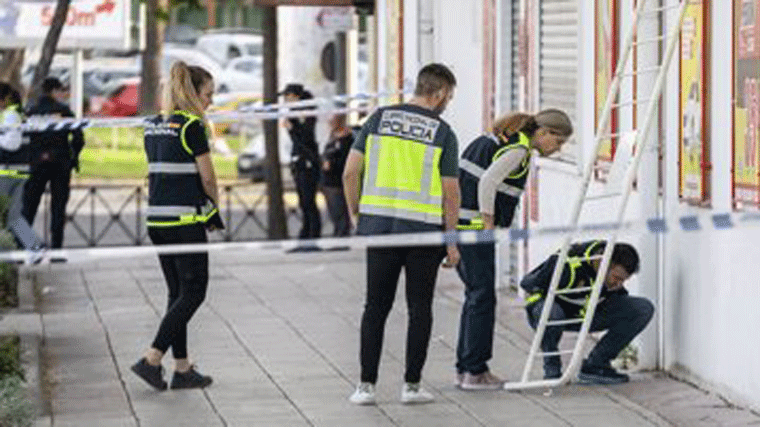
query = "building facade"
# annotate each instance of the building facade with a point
(530, 54)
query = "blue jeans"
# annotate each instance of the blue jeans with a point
(622, 316)
(477, 271)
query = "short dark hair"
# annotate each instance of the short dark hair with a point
(625, 256)
(50, 84)
(432, 78)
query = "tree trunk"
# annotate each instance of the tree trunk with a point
(48, 48)
(150, 82)
(278, 222)
(10, 66)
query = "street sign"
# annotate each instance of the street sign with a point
(89, 23)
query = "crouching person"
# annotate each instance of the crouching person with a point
(623, 316)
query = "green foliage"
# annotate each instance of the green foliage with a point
(4, 202)
(15, 408)
(10, 358)
(8, 272)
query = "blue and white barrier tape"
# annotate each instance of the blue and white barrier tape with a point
(249, 113)
(685, 224)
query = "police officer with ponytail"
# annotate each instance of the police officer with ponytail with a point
(183, 200)
(493, 171)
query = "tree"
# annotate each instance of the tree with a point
(150, 83)
(48, 47)
(10, 66)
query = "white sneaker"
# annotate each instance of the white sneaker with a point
(414, 393)
(364, 394)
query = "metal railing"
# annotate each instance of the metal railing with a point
(114, 214)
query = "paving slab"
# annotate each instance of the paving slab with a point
(280, 335)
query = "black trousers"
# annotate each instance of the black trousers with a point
(307, 179)
(477, 269)
(59, 175)
(622, 316)
(187, 279)
(383, 269)
(338, 209)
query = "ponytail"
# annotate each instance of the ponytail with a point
(516, 122)
(182, 91)
(528, 124)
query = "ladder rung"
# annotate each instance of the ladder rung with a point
(648, 40)
(554, 353)
(633, 102)
(603, 196)
(642, 71)
(661, 9)
(609, 136)
(573, 290)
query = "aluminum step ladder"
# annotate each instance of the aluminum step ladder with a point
(618, 186)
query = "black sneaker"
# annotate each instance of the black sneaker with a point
(591, 374)
(190, 379)
(153, 375)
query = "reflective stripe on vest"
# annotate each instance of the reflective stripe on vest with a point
(575, 263)
(184, 215)
(404, 181)
(172, 168)
(478, 172)
(14, 173)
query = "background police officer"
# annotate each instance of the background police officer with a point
(305, 161)
(53, 154)
(410, 185)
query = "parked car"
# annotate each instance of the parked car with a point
(228, 44)
(244, 74)
(251, 163)
(122, 101)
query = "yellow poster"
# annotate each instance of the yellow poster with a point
(691, 130)
(747, 102)
(606, 50)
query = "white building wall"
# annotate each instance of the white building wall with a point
(710, 279)
(458, 43)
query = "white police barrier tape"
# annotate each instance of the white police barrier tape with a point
(306, 108)
(686, 224)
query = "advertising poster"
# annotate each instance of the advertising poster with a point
(693, 137)
(606, 58)
(101, 23)
(746, 102)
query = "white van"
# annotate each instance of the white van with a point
(226, 46)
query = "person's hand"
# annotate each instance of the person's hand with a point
(326, 165)
(452, 256)
(286, 124)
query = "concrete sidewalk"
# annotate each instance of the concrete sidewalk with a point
(279, 334)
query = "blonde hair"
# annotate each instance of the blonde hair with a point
(182, 91)
(556, 120)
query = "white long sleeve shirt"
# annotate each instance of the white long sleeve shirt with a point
(496, 173)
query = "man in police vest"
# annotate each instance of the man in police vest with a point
(407, 156)
(621, 315)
